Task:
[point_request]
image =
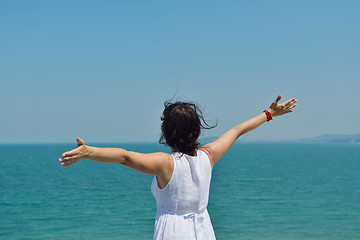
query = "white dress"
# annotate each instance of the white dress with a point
(182, 203)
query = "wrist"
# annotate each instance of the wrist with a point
(272, 112)
(89, 152)
(268, 115)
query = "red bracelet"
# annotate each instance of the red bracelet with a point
(268, 115)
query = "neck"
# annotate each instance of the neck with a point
(175, 150)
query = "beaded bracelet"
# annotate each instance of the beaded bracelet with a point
(268, 115)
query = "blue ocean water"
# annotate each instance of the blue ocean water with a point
(258, 191)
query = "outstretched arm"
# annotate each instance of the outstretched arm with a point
(158, 164)
(218, 148)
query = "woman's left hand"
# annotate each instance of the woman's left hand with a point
(71, 157)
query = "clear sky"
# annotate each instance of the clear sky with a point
(101, 70)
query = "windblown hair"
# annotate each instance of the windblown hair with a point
(181, 126)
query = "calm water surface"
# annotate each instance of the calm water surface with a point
(258, 191)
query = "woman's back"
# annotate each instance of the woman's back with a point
(182, 203)
(188, 189)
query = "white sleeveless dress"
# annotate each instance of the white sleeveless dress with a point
(182, 203)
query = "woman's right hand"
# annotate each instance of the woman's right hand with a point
(277, 109)
(71, 157)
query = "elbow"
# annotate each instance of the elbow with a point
(124, 157)
(239, 131)
(123, 161)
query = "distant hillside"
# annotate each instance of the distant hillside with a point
(355, 138)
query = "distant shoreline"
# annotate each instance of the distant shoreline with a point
(351, 139)
(328, 138)
(345, 139)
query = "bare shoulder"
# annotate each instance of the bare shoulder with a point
(158, 163)
(207, 151)
(166, 160)
(168, 164)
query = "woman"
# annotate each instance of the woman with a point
(182, 179)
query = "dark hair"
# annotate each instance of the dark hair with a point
(181, 126)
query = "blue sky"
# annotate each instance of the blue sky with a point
(101, 70)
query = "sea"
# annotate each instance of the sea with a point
(258, 191)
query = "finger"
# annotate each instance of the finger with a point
(80, 141)
(66, 164)
(277, 99)
(293, 102)
(293, 106)
(70, 153)
(290, 102)
(69, 158)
